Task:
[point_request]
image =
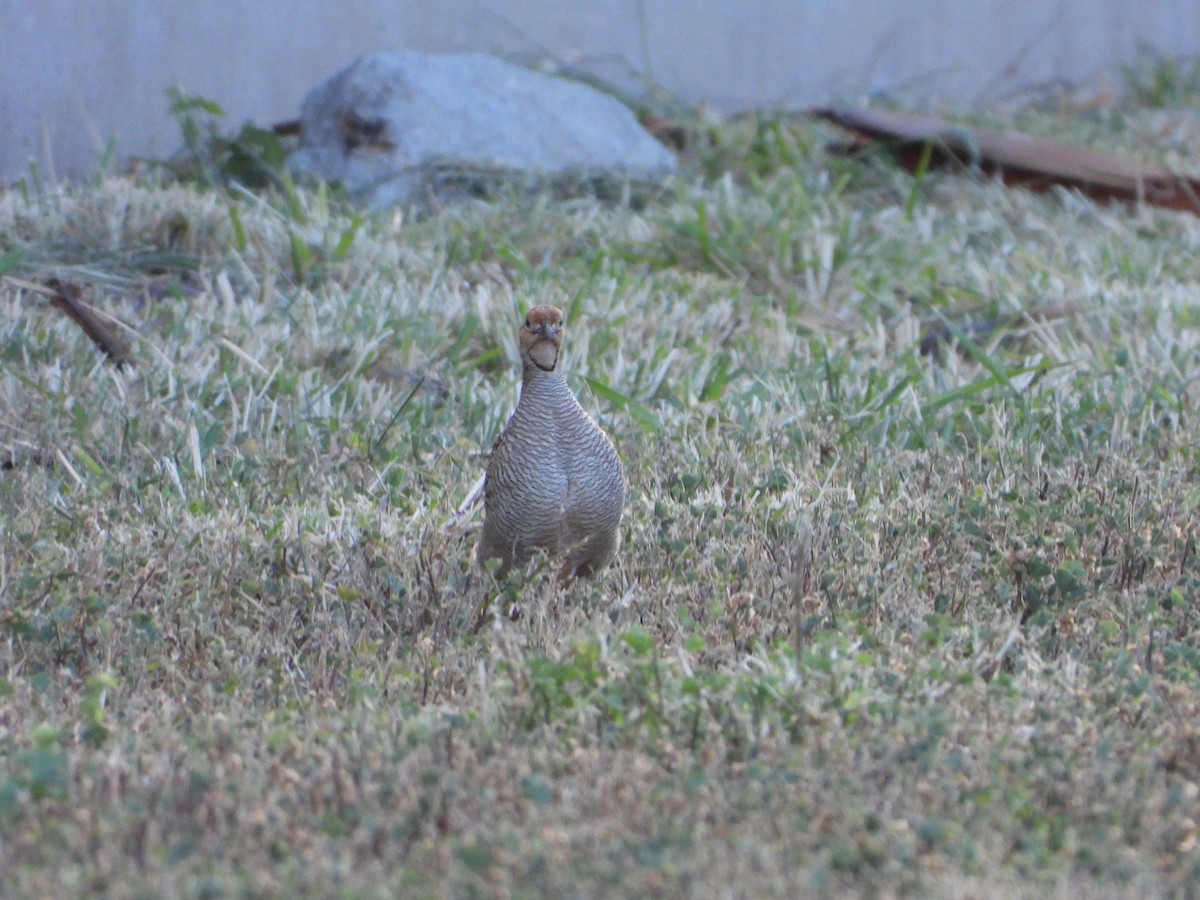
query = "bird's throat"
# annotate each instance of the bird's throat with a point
(544, 355)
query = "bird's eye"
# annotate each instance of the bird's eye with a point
(527, 325)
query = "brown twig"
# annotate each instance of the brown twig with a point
(1034, 163)
(68, 297)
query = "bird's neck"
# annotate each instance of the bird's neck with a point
(539, 381)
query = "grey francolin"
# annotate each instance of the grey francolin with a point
(554, 480)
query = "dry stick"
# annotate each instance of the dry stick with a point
(1019, 159)
(45, 291)
(68, 297)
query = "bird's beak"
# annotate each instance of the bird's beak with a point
(549, 331)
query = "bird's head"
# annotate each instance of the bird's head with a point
(542, 337)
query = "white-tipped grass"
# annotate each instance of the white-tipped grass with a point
(905, 602)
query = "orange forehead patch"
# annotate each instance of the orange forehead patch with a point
(544, 315)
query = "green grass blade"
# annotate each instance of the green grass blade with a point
(644, 417)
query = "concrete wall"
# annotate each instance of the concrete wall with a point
(73, 73)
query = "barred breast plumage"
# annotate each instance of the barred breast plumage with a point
(554, 480)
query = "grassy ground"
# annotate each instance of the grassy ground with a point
(907, 603)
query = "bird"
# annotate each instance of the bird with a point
(554, 480)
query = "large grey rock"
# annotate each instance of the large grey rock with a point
(391, 125)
